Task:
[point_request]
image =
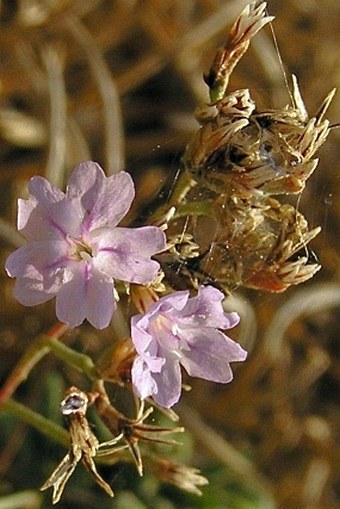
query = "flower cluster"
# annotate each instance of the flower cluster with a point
(76, 251)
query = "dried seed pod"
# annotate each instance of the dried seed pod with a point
(241, 151)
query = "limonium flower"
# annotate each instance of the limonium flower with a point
(179, 330)
(75, 249)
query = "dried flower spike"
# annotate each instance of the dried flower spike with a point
(241, 151)
(260, 244)
(239, 158)
(249, 22)
(84, 445)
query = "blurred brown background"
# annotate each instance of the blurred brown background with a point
(117, 82)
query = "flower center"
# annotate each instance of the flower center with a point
(167, 331)
(81, 251)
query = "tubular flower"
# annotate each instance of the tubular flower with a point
(178, 330)
(75, 249)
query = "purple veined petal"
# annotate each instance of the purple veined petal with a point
(100, 299)
(88, 294)
(66, 216)
(42, 255)
(45, 215)
(124, 253)
(206, 310)
(40, 270)
(174, 330)
(107, 201)
(85, 185)
(169, 383)
(35, 222)
(142, 380)
(152, 344)
(209, 355)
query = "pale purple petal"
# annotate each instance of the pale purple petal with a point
(75, 252)
(176, 300)
(142, 379)
(89, 294)
(169, 383)
(38, 267)
(85, 183)
(209, 355)
(114, 201)
(34, 222)
(26, 209)
(142, 340)
(71, 306)
(184, 331)
(124, 253)
(43, 255)
(33, 289)
(47, 209)
(205, 310)
(100, 299)
(105, 200)
(66, 217)
(44, 192)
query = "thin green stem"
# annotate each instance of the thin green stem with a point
(182, 186)
(77, 360)
(197, 208)
(37, 421)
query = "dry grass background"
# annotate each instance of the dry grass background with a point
(117, 81)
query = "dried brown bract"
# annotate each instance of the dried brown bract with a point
(115, 364)
(131, 430)
(184, 477)
(241, 151)
(260, 243)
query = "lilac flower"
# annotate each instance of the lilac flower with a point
(178, 330)
(76, 250)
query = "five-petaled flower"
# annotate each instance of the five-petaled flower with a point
(76, 250)
(178, 330)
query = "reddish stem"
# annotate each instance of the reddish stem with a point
(31, 357)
